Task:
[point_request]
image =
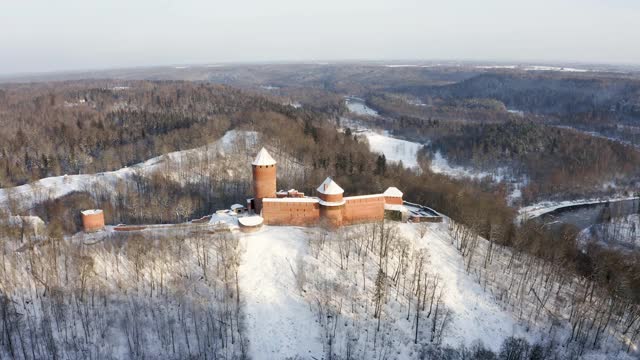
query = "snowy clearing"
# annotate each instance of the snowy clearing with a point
(394, 150)
(358, 106)
(279, 322)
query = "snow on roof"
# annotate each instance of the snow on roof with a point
(332, 203)
(250, 220)
(329, 187)
(302, 199)
(393, 191)
(263, 158)
(92, 212)
(396, 207)
(357, 197)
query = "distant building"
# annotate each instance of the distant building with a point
(331, 206)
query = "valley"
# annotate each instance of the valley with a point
(523, 256)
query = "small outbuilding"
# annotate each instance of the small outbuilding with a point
(238, 209)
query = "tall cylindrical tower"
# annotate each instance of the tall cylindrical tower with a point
(264, 178)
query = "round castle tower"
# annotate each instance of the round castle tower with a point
(264, 178)
(331, 201)
(92, 220)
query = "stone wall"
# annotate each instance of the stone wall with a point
(393, 200)
(283, 212)
(361, 209)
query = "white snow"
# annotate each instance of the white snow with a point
(396, 207)
(254, 220)
(401, 65)
(496, 67)
(553, 68)
(280, 323)
(263, 158)
(357, 106)
(92, 212)
(532, 68)
(332, 203)
(369, 196)
(476, 314)
(329, 187)
(293, 199)
(393, 192)
(394, 150)
(440, 165)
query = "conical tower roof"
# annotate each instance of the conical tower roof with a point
(393, 192)
(329, 187)
(263, 158)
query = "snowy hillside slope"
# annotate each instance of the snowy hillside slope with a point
(475, 313)
(394, 150)
(315, 292)
(342, 281)
(279, 322)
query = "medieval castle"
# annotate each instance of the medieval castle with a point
(272, 207)
(331, 206)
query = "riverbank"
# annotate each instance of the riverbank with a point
(541, 208)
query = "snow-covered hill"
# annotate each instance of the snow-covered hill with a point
(176, 163)
(313, 293)
(280, 324)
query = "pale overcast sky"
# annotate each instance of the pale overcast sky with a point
(48, 35)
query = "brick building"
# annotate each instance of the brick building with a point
(331, 206)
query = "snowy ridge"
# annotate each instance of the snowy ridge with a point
(54, 187)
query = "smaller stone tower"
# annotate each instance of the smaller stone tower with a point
(393, 196)
(264, 178)
(92, 220)
(331, 202)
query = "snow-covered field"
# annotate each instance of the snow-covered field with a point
(357, 106)
(394, 150)
(532, 68)
(440, 165)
